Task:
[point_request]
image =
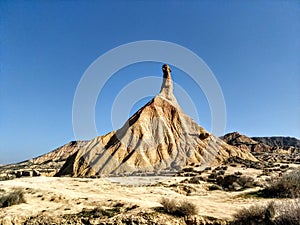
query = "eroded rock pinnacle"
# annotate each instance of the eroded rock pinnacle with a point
(167, 85)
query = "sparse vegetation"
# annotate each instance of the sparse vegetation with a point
(178, 208)
(13, 198)
(290, 215)
(254, 215)
(287, 186)
(7, 177)
(246, 181)
(279, 213)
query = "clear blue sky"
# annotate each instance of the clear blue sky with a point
(252, 47)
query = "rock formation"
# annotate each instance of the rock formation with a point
(262, 144)
(244, 142)
(60, 154)
(279, 142)
(158, 138)
(47, 164)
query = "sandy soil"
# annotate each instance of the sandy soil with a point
(54, 196)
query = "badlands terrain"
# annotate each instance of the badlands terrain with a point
(161, 167)
(137, 199)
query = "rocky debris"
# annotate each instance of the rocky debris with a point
(235, 182)
(194, 180)
(202, 220)
(158, 137)
(238, 181)
(139, 218)
(218, 178)
(188, 172)
(278, 157)
(247, 163)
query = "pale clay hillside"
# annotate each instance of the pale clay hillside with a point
(158, 138)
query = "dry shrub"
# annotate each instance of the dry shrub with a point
(256, 214)
(187, 208)
(246, 181)
(170, 205)
(287, 186)
(13, 198)
(279, 213)
(7, 177)
(290, 214)
(178, 208)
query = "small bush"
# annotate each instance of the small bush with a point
(290, 215)
(254, 215)
(13, 198)
(187, 208)
(7, 177)
(178, 208)
(246, 181)
(170, 205)
(287, 186)
(279, 213)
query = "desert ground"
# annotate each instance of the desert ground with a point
(54, 197)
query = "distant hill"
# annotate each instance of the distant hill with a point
(262, 144)
(47, 164)
(283, 142)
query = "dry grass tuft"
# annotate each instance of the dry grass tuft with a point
(287, 186)
(178, 208)
(290, 214)
(279, 213)
(13, 198)
(254, 215)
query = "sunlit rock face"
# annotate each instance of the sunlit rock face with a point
(158, 138)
